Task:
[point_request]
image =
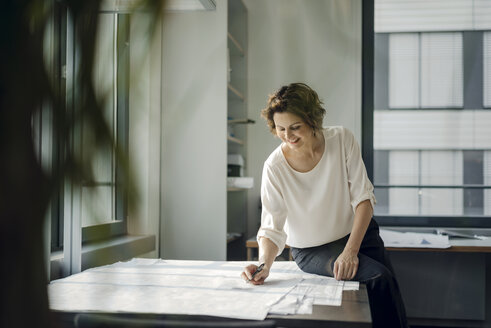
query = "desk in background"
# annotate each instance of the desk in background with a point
(445, 286)
(456, 246)
(251, 245)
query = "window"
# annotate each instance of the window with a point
(100, 203)
(98, 195)
(431, 118)
(100, 198)
(425, 70)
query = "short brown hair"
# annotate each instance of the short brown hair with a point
(298, 99)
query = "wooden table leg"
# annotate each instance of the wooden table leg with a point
(249, 254)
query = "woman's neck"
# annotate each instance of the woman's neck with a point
(312, 148)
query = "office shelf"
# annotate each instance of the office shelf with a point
(234, 46)
(237, 124)
(232, 91)
(235, 140)
(241, 121)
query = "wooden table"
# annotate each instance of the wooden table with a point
(120, 290)
(456, 246)
(354, 312)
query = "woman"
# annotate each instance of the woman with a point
(317, 198)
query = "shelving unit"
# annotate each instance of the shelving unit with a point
(235, 140)
(235, 189)
(235, 92)
(237, 122)
(234, 46)
(241, 121)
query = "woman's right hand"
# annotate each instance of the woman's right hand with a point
(258, 278)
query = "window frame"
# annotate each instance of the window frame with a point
(481, 52)
(59, 64)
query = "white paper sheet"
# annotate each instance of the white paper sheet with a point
(294, 302)
(351, 285)
(412, 239)
(313, 289)
(192, 287)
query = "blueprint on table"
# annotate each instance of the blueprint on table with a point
(212, 288)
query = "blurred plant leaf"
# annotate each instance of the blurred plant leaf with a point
(27, 86)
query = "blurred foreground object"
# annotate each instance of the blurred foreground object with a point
(31, 87)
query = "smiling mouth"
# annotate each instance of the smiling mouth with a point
(293, 141)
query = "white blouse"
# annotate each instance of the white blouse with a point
(315, 207)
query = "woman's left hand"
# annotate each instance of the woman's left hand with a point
(346, 265)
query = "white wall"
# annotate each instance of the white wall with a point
(194, 111)
(317, 42)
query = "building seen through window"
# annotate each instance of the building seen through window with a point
(432, 112)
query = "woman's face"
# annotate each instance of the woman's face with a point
(292, 130)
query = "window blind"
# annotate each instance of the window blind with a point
(425, 70)
(441, 70)
(404, 70)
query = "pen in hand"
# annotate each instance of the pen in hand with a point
(259, 269)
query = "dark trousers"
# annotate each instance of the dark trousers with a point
(374, 270)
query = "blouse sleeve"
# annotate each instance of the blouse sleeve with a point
(273, 213)
(360, 187)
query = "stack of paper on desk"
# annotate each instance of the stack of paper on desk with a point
(193, 287)
(413, 239)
